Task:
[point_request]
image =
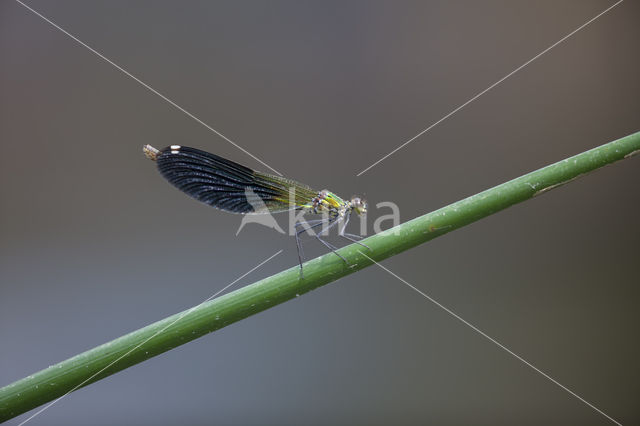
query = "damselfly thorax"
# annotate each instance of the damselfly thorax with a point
(229, 186)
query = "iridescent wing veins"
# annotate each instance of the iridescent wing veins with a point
(229, 186)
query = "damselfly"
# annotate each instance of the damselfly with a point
(229, 186)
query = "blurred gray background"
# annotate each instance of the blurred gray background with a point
(94, 243)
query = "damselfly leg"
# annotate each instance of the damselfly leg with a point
(351, 237)
(332, 222)
(310, 225)
(314, 223)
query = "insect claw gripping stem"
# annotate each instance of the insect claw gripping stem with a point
(351, 238)
(333, 249)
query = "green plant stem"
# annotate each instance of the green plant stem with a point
(98, 363)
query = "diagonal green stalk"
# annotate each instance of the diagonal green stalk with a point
(98, 363)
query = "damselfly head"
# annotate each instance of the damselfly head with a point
(358, 205)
